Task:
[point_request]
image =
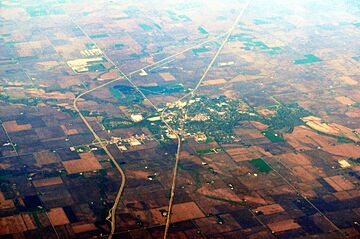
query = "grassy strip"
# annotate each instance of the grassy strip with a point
(225, 200)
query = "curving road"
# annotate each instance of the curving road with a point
(111, 216)
(191, 94)
(112, 211)
(155, 65)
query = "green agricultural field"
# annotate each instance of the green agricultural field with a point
(119, 45)
(200, 50)
(157, 26)
(260, 22)
(310, 58)
(260, 165)
(96, 67)
(151, 90)
(251, 43)
(273, 136)
(202, 31)
(145, 27)
(206, 151)
(117, 123)
(82, 149)
(37, 11)
(356, 58)
(102, 35)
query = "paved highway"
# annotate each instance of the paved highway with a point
(191, 94)
(112, 212)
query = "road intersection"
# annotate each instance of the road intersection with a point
(112, 212)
